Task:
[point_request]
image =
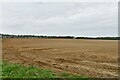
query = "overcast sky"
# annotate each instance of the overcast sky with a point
(61, 18)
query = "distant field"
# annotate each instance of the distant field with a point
(93, 58)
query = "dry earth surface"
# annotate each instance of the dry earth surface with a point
(94, 58)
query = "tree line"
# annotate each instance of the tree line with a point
(34, 36)
(55, 37)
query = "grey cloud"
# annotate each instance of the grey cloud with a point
(61, 18)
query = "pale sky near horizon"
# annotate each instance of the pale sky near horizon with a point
(61, 18)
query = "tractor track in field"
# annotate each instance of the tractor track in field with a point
(83, 61)
(73, 66)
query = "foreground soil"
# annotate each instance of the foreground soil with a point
(94, 58)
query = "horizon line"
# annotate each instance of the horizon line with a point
(56, 35)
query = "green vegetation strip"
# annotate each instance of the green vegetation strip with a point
(18, 71)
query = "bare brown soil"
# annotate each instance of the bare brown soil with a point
(94, 58)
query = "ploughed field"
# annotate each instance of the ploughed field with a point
(92, 58)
